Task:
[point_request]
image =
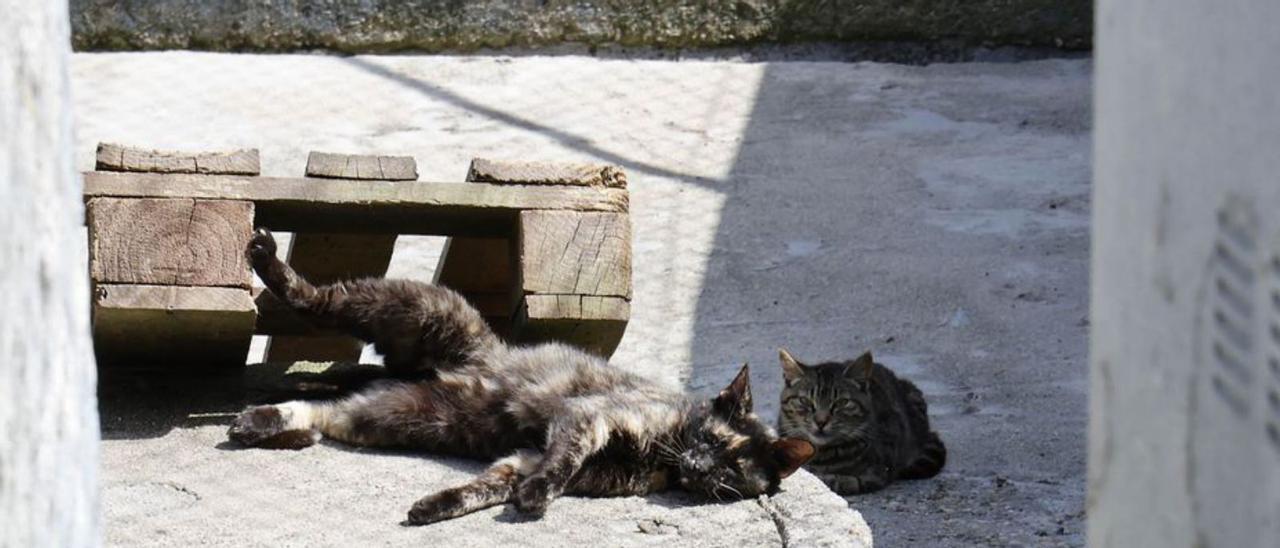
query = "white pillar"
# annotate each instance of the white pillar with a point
(1184, 433)
(48, 415)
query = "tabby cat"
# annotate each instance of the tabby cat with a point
(559, 420)
(870, 427)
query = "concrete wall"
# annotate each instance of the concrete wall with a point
(438, 25)
(1185, 389)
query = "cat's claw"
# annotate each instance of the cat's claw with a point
(262, 246)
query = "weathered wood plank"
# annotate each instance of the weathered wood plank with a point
(545, 173)
(174, 326)
(366, 167)
(575, 273)
(482, 270)
(487, 267)
(169, 241)
(113, 157)
(594, 323)
(564, 252)
(403, 207)
(577, 307)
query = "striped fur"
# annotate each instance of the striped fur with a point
(559, 420)
(870, 427)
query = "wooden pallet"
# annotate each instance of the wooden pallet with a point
(542, 250)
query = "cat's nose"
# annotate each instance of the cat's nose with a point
(691, 462)
(821, 419)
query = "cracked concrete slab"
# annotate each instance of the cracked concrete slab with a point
(937, 215)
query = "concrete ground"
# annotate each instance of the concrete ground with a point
(935, 215)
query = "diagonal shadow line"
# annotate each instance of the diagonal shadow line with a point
(566, 138)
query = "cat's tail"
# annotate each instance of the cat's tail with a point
(933, 456)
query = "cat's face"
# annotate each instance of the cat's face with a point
(725, 452)
(826, 403)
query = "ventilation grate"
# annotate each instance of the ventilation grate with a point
(1273, 354)
(1233, 312)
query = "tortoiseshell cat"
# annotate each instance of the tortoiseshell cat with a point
(559, 419)
(870, 427)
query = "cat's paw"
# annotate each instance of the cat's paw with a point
(435, 507)
(262, 247)
(256, 425)
(533, 495)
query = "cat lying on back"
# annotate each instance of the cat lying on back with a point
(558, 420)
(870, 427)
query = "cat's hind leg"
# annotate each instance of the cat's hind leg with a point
(387, 414)
(492, 487)
(418, 327)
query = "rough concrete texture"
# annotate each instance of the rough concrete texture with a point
(936, 215)
(436, 25)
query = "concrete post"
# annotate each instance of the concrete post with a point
(48, 415)
(1184, 440)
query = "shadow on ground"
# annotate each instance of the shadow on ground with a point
(938, 217)
(149, 403)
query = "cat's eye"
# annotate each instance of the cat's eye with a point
(800, 405)
(848, 406)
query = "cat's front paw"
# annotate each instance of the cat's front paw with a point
(533, 495)
(262, 247)
(255, 425)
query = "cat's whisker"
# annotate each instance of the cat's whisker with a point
(730, 488)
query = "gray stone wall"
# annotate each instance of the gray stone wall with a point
(452, 25)
(1184, 433)
(48, 411)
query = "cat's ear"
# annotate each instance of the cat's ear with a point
(735, 399)
(861, 368)
(791, 454)
(792, 369)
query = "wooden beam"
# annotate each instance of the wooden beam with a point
(169, 241)
(562, 277)
(350, 166)
(402, 207)
(591, 322)
(575, 274)
(484, 170)
(577, 307)
(113, 157)
(172, 326)
(565, 252)
(482, 270)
